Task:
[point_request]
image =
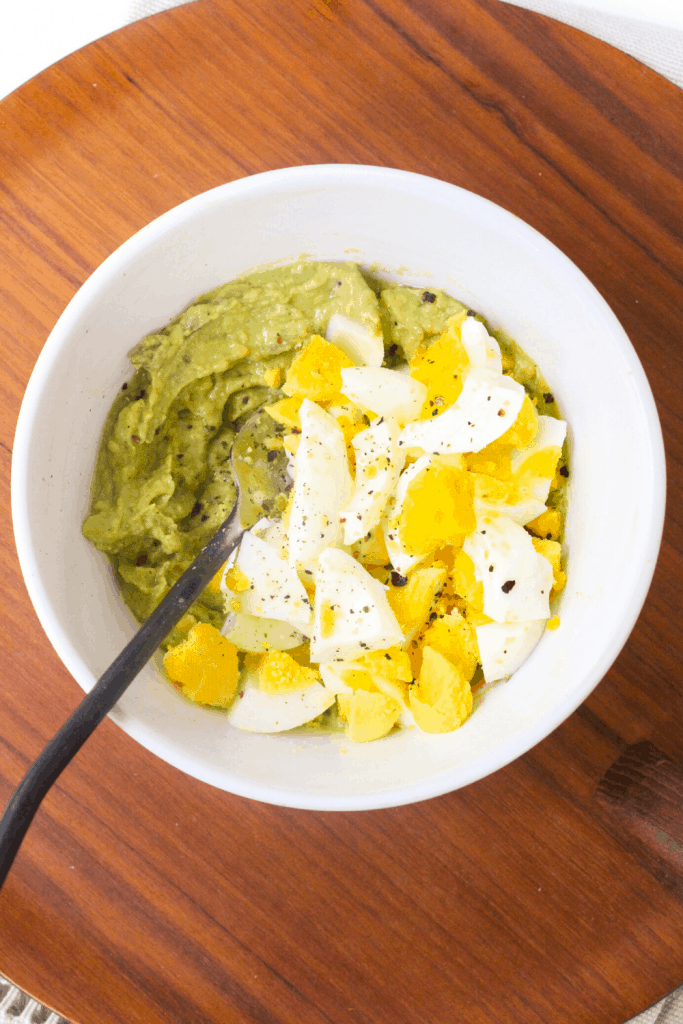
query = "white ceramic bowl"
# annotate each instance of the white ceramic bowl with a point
(431, 234)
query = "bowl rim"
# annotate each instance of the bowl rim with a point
(329, 174)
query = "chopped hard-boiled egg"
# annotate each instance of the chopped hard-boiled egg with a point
(379, 462)
(482, 350)
(416, 544)
(533, 468)
(521, 496)
(433, 506)
(316, 371)
(254, 710)
(363, 345)
(504, 647)
(280, 673)
(411, 599)
(257, 635)
(352, 615)
(488, 404)
(322, 486)
(517, 580)
(401, 559)
(205, 666)
(384, 392)
(442, 699)
(370, 715)
(273, 589)
(441, 367)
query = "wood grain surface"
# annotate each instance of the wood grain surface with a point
(141, 895)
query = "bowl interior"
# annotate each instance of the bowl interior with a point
(421, 232)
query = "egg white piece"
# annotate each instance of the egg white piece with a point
(257, 635)
(276, 536)
(399, 558)
(256, 711)
(362, 618)
(488, 404)
(360, 344)
(482, 350)
(384, 392)
(517, 580)
(504, 647)
(522, 512)
(276, 592)
(550, 434)
(379, 462)
(322, 486)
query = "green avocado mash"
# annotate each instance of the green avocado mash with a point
(163, 480)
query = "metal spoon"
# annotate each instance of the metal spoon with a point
(260, 478)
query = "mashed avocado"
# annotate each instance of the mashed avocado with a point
(163, 480)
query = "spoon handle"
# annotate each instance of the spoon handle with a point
(49, 765)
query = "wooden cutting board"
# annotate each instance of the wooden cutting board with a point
(535, 896)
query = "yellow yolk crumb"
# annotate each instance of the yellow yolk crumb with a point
(273, 376)
(236, 581)
(316, 371)
(438, 508)
(214, 584)
(286, 412)
(205, 665)
(412, 603)
(547, 525)
(369, 715)
(553, 623)
(280, 673)
(442, 699)
(441, 367)
(454, 637)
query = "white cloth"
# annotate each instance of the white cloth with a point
(650, 30)
(667, 1011)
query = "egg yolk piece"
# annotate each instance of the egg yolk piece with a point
(454, 637)
(412, 601)
(316, 371)
(442, 699)
(441, 368)
(438, 508)
(370, 715)
(205, 665)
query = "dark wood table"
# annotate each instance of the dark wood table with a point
(536, 896)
